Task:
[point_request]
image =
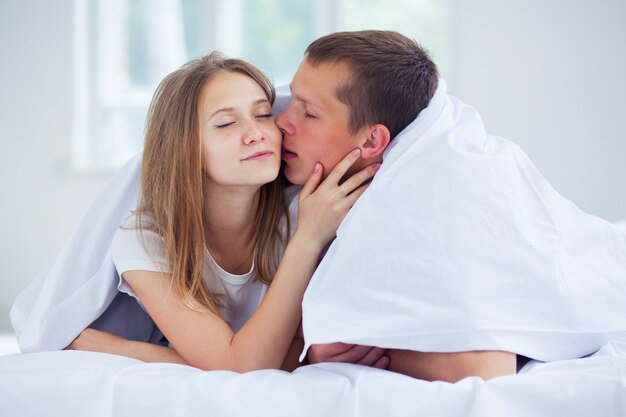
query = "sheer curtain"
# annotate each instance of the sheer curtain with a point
(125, 47)
(166, 45)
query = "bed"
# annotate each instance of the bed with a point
(74, 383)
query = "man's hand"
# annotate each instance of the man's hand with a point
(342, 352)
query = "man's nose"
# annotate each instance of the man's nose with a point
(284, 122)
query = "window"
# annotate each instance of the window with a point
(125, 47)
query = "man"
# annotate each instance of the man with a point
(360, 90)
(336, 108)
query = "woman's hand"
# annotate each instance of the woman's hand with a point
(98, 341)
(322, 207)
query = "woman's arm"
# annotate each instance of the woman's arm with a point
(292, 359)
(206, 341)
(203, 339)
(98, 341)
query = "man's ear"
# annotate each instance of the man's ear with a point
(376, 142)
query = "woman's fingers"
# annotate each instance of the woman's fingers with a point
(342, 167)
(312, 182)
(322, 205)
(359, 178)
(354, 196)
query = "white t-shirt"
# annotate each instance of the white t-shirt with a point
(242, 293)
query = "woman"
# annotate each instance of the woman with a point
(201, 250)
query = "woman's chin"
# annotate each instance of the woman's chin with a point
(266, 176)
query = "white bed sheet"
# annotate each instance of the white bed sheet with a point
(72, 383)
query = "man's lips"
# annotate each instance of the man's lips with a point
(287, 154)
(258, 156)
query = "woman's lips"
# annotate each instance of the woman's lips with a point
(258, 156)
(286, 154)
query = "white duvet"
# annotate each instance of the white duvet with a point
(72, 383)
(80, 283)
(460, 244)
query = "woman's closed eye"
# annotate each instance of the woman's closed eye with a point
(227, 123)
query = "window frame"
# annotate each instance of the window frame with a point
(100, 62)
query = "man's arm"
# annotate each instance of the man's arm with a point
(452, 367)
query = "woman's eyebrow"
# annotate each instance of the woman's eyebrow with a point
(228, 109)
(261, 100)
(224, 110)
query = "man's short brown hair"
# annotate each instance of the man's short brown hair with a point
(393, 78)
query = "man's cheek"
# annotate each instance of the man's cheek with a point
(299, 169)
(332, 159)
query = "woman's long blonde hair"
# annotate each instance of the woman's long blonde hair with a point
(172, 176)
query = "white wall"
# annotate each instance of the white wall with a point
(551, 75)
(41, 199)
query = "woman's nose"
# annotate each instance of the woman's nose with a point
(253, 134)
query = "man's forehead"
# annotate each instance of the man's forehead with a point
(297, 95)
(317, 84)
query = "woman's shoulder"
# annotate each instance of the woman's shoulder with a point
(130, 229)
(135, 248)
